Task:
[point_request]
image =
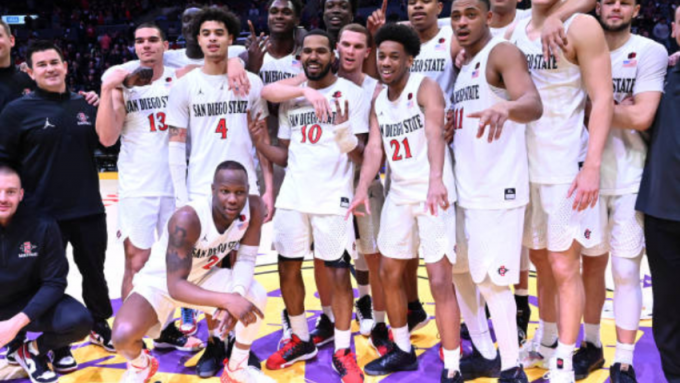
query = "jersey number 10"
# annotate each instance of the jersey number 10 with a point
(313, 134)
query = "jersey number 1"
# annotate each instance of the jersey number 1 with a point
(396, 156)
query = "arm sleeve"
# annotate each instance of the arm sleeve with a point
(284, 124)
(53, 272)
(651, 70)
(10, 136)
(359, 109)
(244, 269)
(178, 105)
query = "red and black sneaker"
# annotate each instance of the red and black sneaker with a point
(292, 351)
(345, 364)
(324, 331)
(416, 317)
(380, 340)
(35, 364)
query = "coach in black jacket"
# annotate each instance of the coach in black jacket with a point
(33, 270)
(49, 135)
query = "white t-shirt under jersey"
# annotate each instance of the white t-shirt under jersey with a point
(208, 251)
(434, 61)
(218, 127)
(274, 70)
(488, 175)
(554, 141)
(143, 160)
(638, 66)
(402, 126)
(319, 178)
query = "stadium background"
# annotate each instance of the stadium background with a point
(96, 34)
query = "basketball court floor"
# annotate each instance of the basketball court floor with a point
(96, 365)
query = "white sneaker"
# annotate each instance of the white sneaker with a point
(364, 315)
(561, 372)
(135, 375)
(534, 354)
(247, 374)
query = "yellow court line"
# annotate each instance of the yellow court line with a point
(108, 176)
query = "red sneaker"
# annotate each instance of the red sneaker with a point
(292, 351)
(345, 364)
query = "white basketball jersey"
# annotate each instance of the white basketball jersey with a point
(402, 126)
(554, 141)
(143, 160)
(319, 177)
(488, 175)
(211, 247)
(274, 70)
(638, 66)
(217, 124)
(434, 61)
(520, 14)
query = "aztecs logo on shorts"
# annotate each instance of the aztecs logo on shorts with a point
(587, 233)
(502, 271)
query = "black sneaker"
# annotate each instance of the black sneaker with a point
(63, 361)
(475, 365)
(210, 362)
(395, 360)
(417, 318)
(35, 365)
(171, 337)
(380, 339)
(513, 375)
(587, 359)
(101, 335)
(364, 314)
(253, 360)
(324, 331)
(13, 347)
(523, 317)
(451, 377)
(622, 373)
(286, 329)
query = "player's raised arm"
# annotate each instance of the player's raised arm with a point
(553, 36)
(595, 63)
(431, 98)
(111, 112)
(261, 141)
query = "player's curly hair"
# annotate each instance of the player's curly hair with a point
(297, 5)
(402, 34)
(219, 14)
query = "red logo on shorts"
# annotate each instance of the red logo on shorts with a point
(502, 271)
(560, 363)
(587, 233)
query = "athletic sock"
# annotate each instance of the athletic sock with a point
(140, 362)
(328, 310)
(592, 334)
(379, 316)
(624, 353)
(364, 290)
(238, 358)
(566, 353)
(452, 359)
(298, 324)
(402, 338)
(521, 293)
(342, 339)
(549, 335)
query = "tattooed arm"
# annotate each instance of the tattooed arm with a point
(184, 229)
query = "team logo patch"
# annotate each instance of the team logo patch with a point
(337, 94)
(344, 202)
(502, 271)
(119, 234)
(409, 102)
(510, 194)
(475, 73)
(27, 250)
(631, 61)
(560, 363)
(83, 119)
(169, 79)
(440, 46)
(587, 233)
(26, 91)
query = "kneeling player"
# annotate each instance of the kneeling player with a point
(198, 236)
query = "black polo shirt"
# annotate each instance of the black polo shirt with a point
(13, 84)
(660, 188)
(51, 138)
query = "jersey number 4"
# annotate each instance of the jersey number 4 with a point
(313, 134)
(396, 155)
(222, 128)
(160, 117)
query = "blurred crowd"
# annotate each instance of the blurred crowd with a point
(96, 34)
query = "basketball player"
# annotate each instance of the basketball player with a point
(409, 115)
(638, 69)
(563, 210)
(181, 272)
(353, 46)
(202, 106)
(337, 14)
(314, 198)
(492, 89)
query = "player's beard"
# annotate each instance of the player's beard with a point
(321, 74)
(618, 28)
